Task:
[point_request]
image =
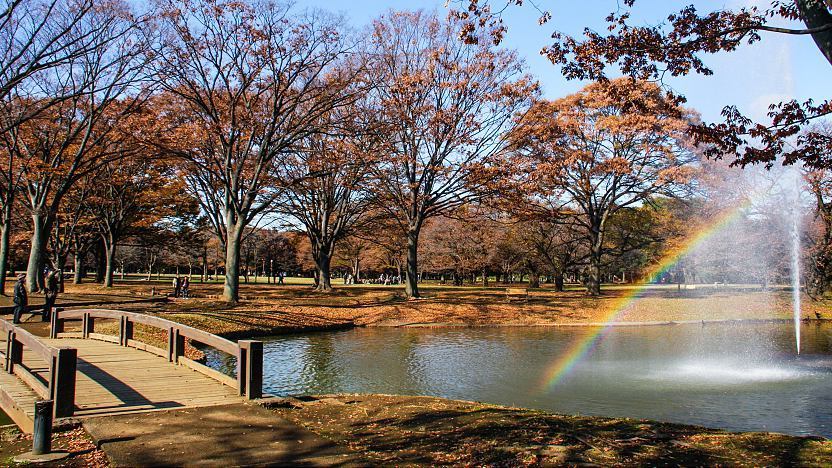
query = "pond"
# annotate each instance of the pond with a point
(737, 377)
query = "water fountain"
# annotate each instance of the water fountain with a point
(795, 235)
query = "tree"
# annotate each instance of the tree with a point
(37, 36)
(676, 48)
(45, 47)
(462, 243)
(446, 107)
(133, 193)
(610, 146)
(384, 233)
(820, 261)
(75, 136)
(72, 224)
(245, 83)
(330, 199)
(552, 244)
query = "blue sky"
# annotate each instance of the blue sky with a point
(776, 68)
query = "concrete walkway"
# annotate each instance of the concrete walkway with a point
(242, 434)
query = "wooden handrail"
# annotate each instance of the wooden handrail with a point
(59, 385)
(43, 350)
(214, 341)
(249, 354)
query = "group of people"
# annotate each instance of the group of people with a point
(181, 287)
(51, 288)
(384, 279)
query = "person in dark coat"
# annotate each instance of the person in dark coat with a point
(21, 300)
(51, 294)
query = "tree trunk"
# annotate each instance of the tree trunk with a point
(100, 261)
(323, 274)
(559, 282)
(110, 257)
(815, 14)
(79, 266)
(593, 283)
(61, 267)
(323, 260)
(412, 271)
(231, 289)
(37, 251)
(5, 233)
(356, 269)
(534, 280)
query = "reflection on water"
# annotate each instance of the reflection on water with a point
(744, 377)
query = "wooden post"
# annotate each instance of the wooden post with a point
(15, 352)
(171, 344)
(62, 385)
(87, 325)
(178, 346)
(250, 369)
(125, 330)
(121, 331)
(56, 325)
(42, 432)
(7, 364)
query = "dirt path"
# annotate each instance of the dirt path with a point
(232, 435)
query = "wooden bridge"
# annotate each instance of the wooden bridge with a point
(88, 372)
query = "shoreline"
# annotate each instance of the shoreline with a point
(285, 331)
(648, 323)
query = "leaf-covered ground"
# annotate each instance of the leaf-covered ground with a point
(404, 430)
(73, 439)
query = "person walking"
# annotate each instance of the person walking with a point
(177, 286)
(21, 300)
(51, 294)
(186, 286)
(280, 277)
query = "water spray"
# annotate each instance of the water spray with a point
(795, 234)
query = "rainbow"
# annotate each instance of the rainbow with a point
(564, 364)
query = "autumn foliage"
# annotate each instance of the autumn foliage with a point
(253, 138)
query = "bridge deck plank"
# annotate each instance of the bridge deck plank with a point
(114, 379)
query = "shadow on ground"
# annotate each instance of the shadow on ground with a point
(431, 431)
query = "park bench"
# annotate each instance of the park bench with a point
(517, 293)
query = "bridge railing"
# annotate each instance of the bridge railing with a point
(249, 353)
(58, 384)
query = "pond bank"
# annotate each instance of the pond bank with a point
(281, 310)
(597, 324)
(385, 430)
(393, 430)
(218, 327)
